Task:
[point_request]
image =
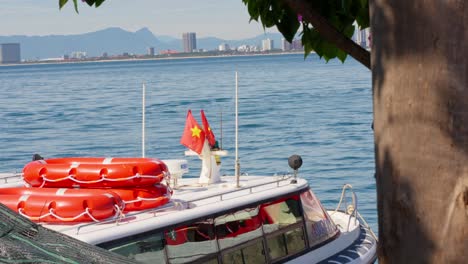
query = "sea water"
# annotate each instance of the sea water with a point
(287, 105)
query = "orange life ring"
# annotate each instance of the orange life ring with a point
(137, 199)
(94, 172)
(61, 204)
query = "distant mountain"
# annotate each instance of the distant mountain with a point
(110, 40)
(115, 41)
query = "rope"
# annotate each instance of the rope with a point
(118, 213)
(343, 195)
(139, 199)
(72, 178)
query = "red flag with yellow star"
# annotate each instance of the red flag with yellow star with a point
(206, 127)
(193, 137)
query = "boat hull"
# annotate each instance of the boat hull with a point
(355, 244)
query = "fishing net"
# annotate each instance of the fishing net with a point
(22, 241)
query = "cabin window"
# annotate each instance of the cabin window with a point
(191, 242)
(239, 227)
(286, 243)
(271, 231)
(318, 223)
(251, 253)
(148, 248)
(281, 213)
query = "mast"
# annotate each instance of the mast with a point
(237, 164)
(143, 110)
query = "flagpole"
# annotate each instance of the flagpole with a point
(143, 110)
(237, 166)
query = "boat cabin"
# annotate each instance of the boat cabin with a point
(267, 220)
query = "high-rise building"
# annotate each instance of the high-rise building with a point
(78, 55)
(151, 51)
(361, 37)
(297, 44)
(285, 45)
(223, 47)
(10, 53)
(189, 40)
(267, 44)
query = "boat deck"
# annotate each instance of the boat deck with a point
(208, 200)
(191, 201)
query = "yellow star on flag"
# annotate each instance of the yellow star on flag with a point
(196, 131)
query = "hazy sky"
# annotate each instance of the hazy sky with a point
(226, 19)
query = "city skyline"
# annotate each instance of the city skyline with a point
(107, 43)
(228, 20)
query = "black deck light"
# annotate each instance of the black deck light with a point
(37, 157)
(295, 162)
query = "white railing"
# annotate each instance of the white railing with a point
(187, 203)
(10, 177)
(352, 209)
(275, 183)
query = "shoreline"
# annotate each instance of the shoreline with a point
(97, 60)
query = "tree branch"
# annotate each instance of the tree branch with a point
(329, 32)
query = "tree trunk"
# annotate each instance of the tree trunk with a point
(420, 91)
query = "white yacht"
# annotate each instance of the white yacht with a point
(227, 219)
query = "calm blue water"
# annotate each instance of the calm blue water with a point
(320, 111)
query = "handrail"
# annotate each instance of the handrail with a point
(277, 181)
(123, 216)
(173, 204)
(354, 209)
(6, 177)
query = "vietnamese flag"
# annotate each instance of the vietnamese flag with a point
(209, 133)
(193, 137)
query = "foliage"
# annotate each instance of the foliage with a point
(342, 14)
(96, 3)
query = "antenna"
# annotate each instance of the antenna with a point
(221, 130)
(143, 110)
(237, 165)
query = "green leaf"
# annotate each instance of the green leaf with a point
(341, 55)
(99, 2)
(75, 3)
(288, 25)
(90, 2)
(308, 48)
(329, 50)
(345, 6)
(349, 30)
(268, 19)
(363, 18)
(318, 48)
(62, 3)
(253, 10)
(335, 21)
(312, 41)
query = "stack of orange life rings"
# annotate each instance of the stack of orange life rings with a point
(88, 189)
